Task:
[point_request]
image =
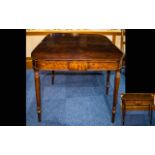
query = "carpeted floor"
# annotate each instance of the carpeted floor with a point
(77, 99)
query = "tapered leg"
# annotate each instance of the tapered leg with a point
(150, 112)
(53, 77)
(116, 87)
(107, 82)
(37, 87)
(123, 113)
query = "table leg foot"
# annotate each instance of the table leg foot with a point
(123, 113)
(39, 116)
(113, 115)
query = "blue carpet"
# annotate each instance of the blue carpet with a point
(76, 99)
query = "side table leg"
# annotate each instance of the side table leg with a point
(107, 82)
(151, 109)
(53, 77)
(123, 112)
(37, 87)
(115, 96)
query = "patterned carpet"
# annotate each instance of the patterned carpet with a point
(77, 99)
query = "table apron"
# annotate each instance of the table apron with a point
(139, 102)
(76, 65)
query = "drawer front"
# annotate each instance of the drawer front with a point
(52, 65)
(75, 65)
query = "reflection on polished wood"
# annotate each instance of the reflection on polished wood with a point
(80, 52)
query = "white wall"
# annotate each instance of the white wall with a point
(31, 42)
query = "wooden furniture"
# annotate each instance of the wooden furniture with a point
(137, 99)
(76, 52)
(31, 34)
(122, 43)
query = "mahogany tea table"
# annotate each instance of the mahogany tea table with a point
(77, 52)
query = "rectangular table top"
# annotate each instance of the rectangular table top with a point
(70, 46)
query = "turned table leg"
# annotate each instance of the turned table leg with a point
(115, 95)
(53, 77)
(107, 82)
(37, 87)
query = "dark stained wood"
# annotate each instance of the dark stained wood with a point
(53, 77)
(115, 94)
(81, 47)
(123, 112)
(37, 87)
(80, 52)
(137, 99)
(150, 112)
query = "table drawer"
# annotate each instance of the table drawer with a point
(75, 65)
(52, 65)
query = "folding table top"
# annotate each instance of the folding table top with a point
(70, 46)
